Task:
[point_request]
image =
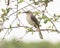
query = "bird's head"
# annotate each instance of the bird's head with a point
(28, 12)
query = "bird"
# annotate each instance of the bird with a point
(32, 20)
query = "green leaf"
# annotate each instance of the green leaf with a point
(48, 19)
(30, 29)
(10, 26)
(51, 18)
(56, 19)
(0, 30)
(37, 12)
(8, 10)
(21, 1)
(2, 16)
(59, 16)
(49, 26)
(3, 10)
(19, 12)
(7, 18)
(36, 3)
(25, 27)
(18, 25)
(5, 14)
(44, 17)
(45, 21)
(52, 31)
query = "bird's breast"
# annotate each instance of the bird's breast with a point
(29, 20)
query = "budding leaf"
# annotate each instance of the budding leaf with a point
(37, 12)
(49, 27)
(45, 21)
(30, 29)
(10, 26)
(19, 12)
(8, 10)
(3, 10)
(21, 1)
(43, 17)
(59, 16)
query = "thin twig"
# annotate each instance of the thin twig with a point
(52, 22)
(33, 6)
(4, 36)
(19, 9)
(48, 18)
(23, 35)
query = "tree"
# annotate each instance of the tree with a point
(12, 9)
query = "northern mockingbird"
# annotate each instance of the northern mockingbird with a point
(31, 19)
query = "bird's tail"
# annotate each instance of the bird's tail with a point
(40, 34)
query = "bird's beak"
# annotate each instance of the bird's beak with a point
(24, 12)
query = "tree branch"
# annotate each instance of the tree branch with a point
(19, 9)
(30, 27)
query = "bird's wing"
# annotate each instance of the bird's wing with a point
(37, 23)
(35, 20)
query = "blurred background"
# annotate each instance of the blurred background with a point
(19, 44)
